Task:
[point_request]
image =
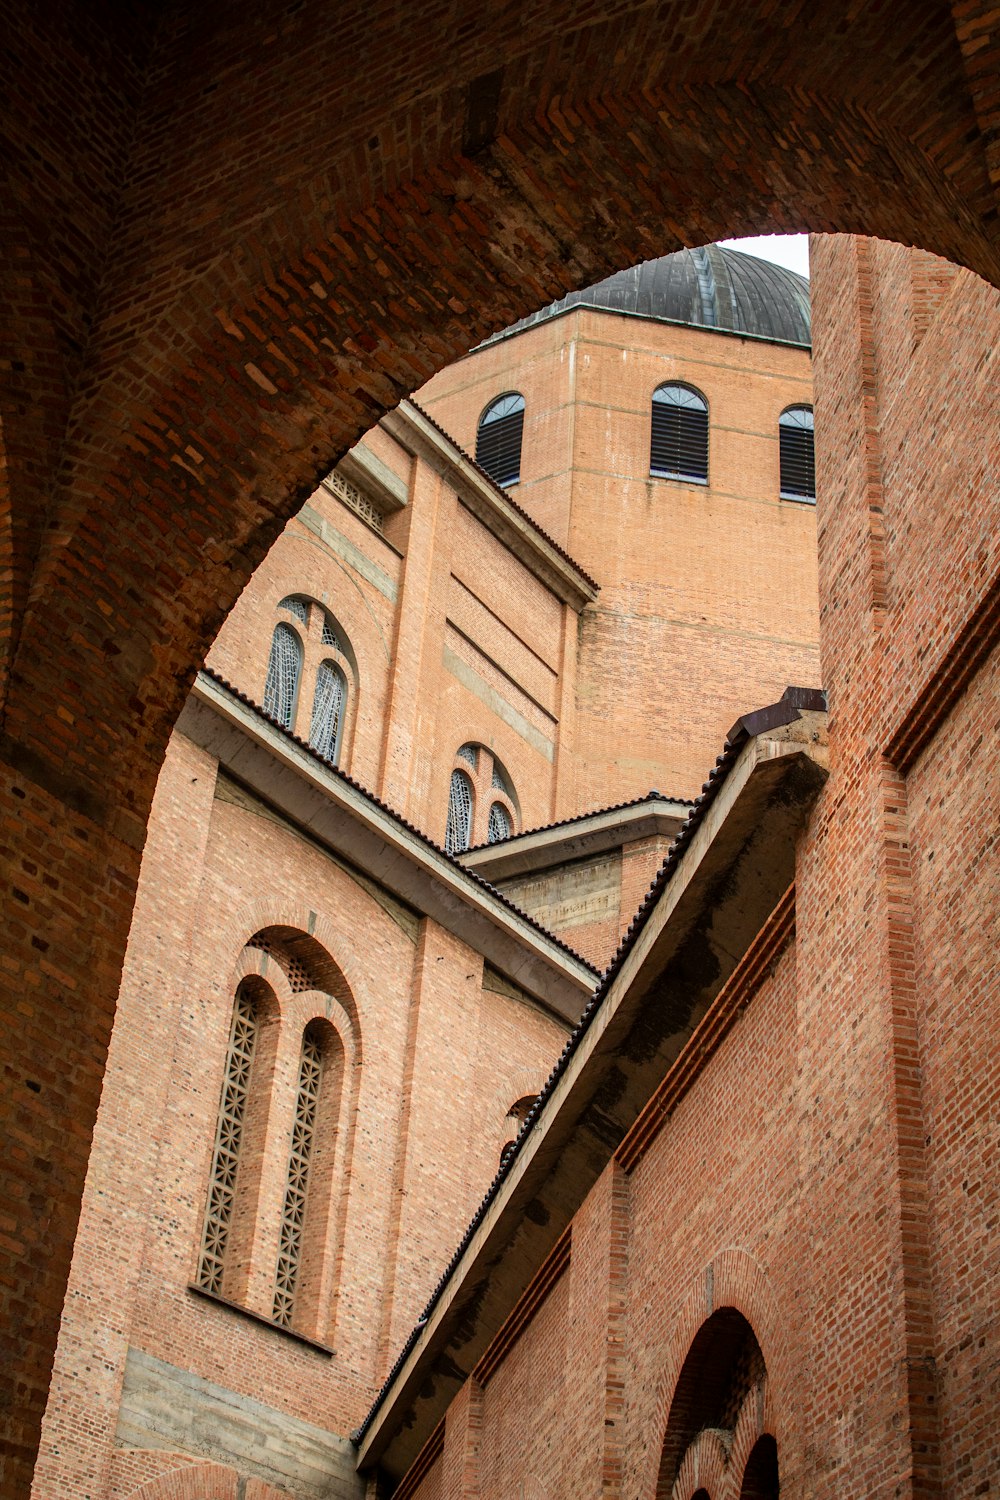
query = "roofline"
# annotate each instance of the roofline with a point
(621, 312)
(635, 950)
(340, 814)
(577, 838)
(416, 431)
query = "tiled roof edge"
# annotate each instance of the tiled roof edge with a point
(597, 812)
(476, 879)
(785, 711)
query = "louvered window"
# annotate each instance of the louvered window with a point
(459, 828)
(498, 440)
(228, 1139)
(293, 1211)
(499, 823)
(678, 446)
(797, 454)
(283, 669)
(328, 711)
(297, 607)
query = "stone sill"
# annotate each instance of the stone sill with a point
(256, 1317)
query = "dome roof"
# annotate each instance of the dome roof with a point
(710, 287)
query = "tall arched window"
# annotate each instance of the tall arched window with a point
(284, 668)
(243, 1034)
(458, 832)
(310, 672)
(328, 710)
(678, 445)
(797, 454)
(498, 438)
(293, 1212)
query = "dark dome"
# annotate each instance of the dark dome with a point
(706, 288)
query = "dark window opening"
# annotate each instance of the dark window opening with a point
(797, 454)
(678, 447)
(498, 440)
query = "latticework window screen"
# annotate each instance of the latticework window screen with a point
(293, 1211)
(330, 637)
(498, 440)
(459, 827)
(678, 445)
(469, 753)
(328, 711)
(297, 607)
(283, 669)
(228, 1138)
(499, 823)
(797, 455)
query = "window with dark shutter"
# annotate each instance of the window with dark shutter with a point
(797, 455)
(678, 447)
(498, 439)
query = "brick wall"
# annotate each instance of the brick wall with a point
(228, 255)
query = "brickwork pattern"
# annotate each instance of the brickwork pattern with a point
(192, 347)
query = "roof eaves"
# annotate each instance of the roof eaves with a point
(390, 812)
(597, 812)
(785, 711)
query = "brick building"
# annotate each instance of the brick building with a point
(331, 1026)
(235, 236)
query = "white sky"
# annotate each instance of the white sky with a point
(791, 250)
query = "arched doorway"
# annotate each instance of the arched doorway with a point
(720, 1390)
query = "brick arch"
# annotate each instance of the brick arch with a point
(704, 1470)
(340, 966)
(215, 309)
(193, 1481)
(734, 1279)
(285, 345)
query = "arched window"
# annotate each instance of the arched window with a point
(482, 806)
(296, 606)
(678, 444)
(516, 1116)
(498, 438)
(284, 668)
(797, 454)
(222, 1182)
(328, 709)
(499, 823)
(458, 831)
(293, 1212)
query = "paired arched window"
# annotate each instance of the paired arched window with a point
(482, 807)
(315, 646)
(255, 1235)
(498, 438)
(797, 454)
(678, 443)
